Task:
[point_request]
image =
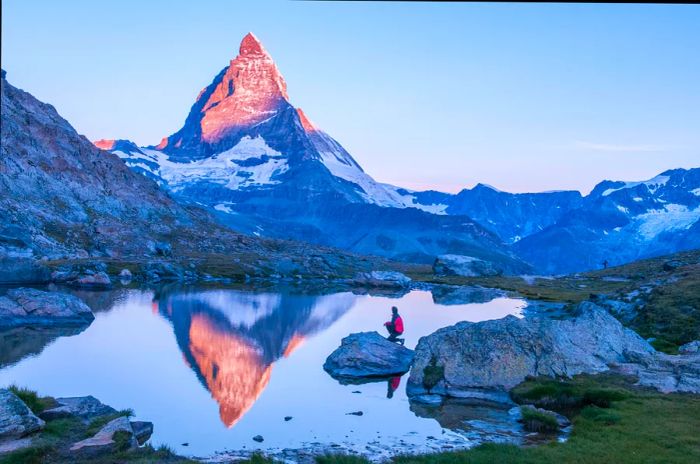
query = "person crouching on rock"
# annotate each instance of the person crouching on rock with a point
(394, 326)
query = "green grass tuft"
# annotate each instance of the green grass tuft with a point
(536, 421)
(33, 401)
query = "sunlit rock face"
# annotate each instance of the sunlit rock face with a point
(231, 339)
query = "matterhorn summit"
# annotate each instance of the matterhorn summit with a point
(262, 167)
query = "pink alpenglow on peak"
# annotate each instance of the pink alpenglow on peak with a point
(250, 92)
(105, 144)
(306, 122)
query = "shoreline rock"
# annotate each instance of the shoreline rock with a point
(487, 359)
(16, 419)
(368, 354)
(23, 307)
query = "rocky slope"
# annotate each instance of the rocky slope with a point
(64, 199)
(258, 163)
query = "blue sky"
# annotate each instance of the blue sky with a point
(522, 97)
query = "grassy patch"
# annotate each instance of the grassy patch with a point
(642, 427)
(33, 401)
(536, 421)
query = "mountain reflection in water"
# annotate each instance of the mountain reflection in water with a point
(231, 339)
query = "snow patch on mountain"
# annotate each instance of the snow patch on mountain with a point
(671, 217)
(251, 162)
(652, 185)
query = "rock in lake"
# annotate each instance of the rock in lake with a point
(93, 280)
(486, 359)
(368, 354)
(22, 271)
(16, 419)
(82, 407)
(116, 435)
(142, 431)
(466, 266)
(31, 307)
(388, 279)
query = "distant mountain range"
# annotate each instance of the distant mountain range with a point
(263, 168)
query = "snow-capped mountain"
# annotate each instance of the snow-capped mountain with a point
(619, 222)
(264, 168)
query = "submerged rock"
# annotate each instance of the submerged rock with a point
(486, 359)
(31, 307)
(83, 407)
(368, 354)
(16, 419)
(466, 266)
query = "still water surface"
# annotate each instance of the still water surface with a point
(213, 368)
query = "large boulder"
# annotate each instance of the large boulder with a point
(466, 266)
(486, 359)
(31, 307)
(368, 354)
(16, 419)
(85, 408)
(116, 435)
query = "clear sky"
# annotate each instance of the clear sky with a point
(423, 95)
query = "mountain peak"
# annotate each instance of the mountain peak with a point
(250, 45)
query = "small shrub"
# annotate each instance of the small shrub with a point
(432, 374)
(537, 421)
(122, 440)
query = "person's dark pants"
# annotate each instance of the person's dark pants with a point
(393, 335)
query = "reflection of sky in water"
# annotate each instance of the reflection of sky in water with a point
(259, 357)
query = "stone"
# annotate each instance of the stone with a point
(83, 407)
(116, 435)
(125, 274)
(486, 359)
(258, 438)
(287, 418)
(16, 419)
(368, 354)
(466, 266)
(664, 372)
(30, 307)
(96, 280)
(390, 279)
(690, 348)
(354, 413)
(142, 431)
(163, 249)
